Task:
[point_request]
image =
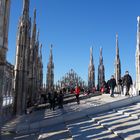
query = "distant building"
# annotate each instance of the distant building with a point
(70, 80)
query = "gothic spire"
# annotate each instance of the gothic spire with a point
(138, 33)
(101, 57)
(40, 52)
(91, 56)
(22, 60)
(34, 23)
(138, 56)
(117, 64)
(91, 71)
(101, 70)
(37, 38)
(50, 72)
(51, 56)
(26, 4)
(34, 16)
(117, 47)
(4, 26)
(34, 30)
(37, 41)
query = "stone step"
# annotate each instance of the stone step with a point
(70, 112)
(120, 124)
(133, 110)
(10, 125)
(40, 116)
(87, 129)
(106, 116)
(59, 132)
(20, 137)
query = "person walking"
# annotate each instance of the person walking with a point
(77, 92)
(112, 84)
(120, 85)
(104, 88)
(52, 97)
(60, 99)
(127, 82)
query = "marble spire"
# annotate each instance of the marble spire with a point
(22, 60)
(4, 27)
(101, 70)
(50, 72)
(26, 4)
(117, 63)
(91, 71)
(138, 56)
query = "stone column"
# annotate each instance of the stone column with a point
(4, 26)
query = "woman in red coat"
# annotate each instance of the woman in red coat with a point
(77, 92)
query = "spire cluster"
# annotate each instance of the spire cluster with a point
(28, 63)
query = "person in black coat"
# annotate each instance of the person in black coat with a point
(112, 84)
(108, 87)
(127, 82)
(120, 84)
(60, 99)
(52, 98)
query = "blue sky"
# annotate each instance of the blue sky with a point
(73, 26)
